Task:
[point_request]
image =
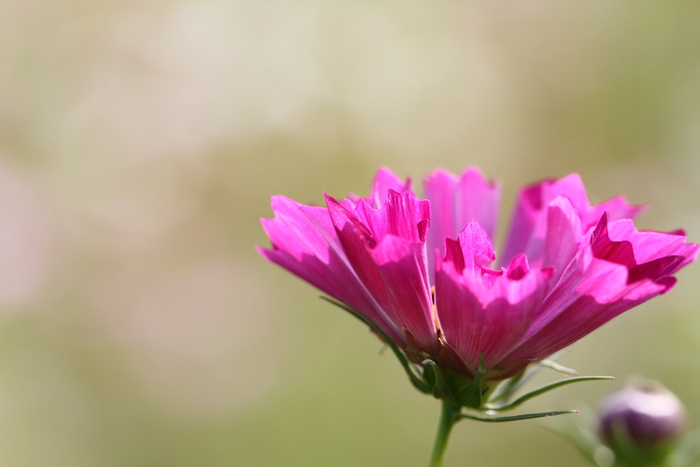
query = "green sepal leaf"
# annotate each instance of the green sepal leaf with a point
(429, 377)
(407, 366)
(552, 365)
(440, 388)
(471, 395)
(508, 388)
(514, 418)
(544, 389)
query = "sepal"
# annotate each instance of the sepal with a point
(472, 394)
(506, 390)
(440, 389)
(514, 418)
(542, 390)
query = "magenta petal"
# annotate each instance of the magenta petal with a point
(479, 200)
(392, 268)
(572, 188)
(406, 290)
(563, 236)
(528, 228)
(384, 181)
(457, 201)
(656, 269)
(440, 188)
(305, 243)
(402, 215)
(620, 252)
(476, 247)
(524, 221)
(569, 314)
(620, 264)
(617, 208)
(518, 268)
(649, 245)
(646, 254)
(476, 319)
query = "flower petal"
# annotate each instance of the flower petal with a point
(646, 245)
(481, 314)
(402, 215)
(476, 247)
(440, 187)
(478, 200)
(528, 227)
(456, 201)
(384, 180)
(563, 236)
(305, 243)
(570, 313)
(619, 269)
(393, 268)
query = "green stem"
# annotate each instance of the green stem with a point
(447, 420)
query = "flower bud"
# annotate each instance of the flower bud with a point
(641, 423)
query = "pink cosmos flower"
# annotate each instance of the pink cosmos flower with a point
(425, 271)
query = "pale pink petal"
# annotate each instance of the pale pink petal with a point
(617, 208)
(440, 188)
(525, 218)
(456, 201)
(478, 200)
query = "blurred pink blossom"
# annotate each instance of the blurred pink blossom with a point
(422, 271)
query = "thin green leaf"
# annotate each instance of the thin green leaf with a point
(407, 366)
(505, 391)
(514, 418)
(552, 365)
(547, 388)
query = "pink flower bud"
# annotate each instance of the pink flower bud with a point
(641, 423)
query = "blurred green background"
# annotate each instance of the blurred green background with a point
(140, 142)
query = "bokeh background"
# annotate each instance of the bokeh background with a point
(140, 142)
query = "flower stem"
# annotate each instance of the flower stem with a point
(447, 421)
